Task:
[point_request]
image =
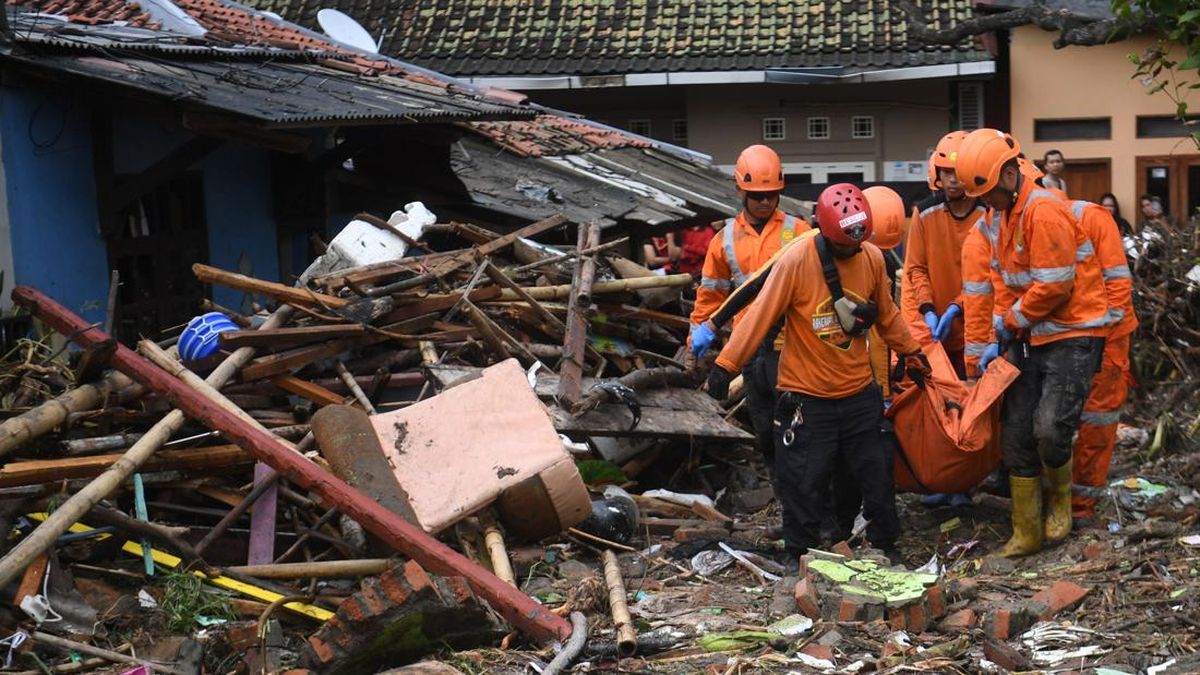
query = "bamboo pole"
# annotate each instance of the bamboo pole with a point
(626, 635)
(116, 657)
(499, 555)
(16, 431)
(70, 511)
(324, 568)
(620, 286)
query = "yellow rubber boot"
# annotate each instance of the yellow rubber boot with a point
(1026, 516)
(1058, 502)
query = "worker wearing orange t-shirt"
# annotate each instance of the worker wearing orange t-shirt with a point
(830, 289)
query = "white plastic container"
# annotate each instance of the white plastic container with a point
(361, 243)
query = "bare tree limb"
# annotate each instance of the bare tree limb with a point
(1073, 28)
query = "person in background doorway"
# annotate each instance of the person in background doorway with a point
(1153, 214)
(693, 246)
(1109, 201)
(1055, 164)
(661, 253)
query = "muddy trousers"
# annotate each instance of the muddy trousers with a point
(1043, 407)
(1098, 424)
(827, 437)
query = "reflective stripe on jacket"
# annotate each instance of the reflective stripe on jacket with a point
(737, 252)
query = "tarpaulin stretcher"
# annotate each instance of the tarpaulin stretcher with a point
(948, 431)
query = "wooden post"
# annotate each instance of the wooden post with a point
(575, 345)
(516, 607)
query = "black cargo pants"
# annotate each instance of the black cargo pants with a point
(759, 377)
(1042, 408)
(833, 439)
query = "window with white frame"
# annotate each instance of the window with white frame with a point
(774, 129)
(640, 127)
(679, 131)
(862, 126)
(818, 128)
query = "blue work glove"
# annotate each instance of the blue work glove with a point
(942, 331)
(702, 339)
(1004, 335)
(990, 353)
(931, 320)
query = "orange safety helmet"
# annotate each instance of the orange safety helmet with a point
(981, 156)
(1029, 169)
(887, 216)
(758, 169)
(944, 156)
(844, 215)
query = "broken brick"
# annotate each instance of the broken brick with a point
(1098, 549)
(937, 603)
(806, 598)
(322, 650)
(896, 619)
(958, 622)
(851, 610)
(916, 617)
(1062, 595)
(416, 577)
(818, 651)
(842, 548)
(999, 624)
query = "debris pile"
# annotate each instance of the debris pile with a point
(486, 451)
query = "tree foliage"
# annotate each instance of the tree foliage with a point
(1172, 65)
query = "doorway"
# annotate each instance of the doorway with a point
(1174, 179)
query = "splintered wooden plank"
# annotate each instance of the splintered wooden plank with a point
(288, 337)
(670, 412)
(35, 472)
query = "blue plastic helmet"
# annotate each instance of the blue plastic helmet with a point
(199, 338)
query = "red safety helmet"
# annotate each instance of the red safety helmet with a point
(844, 215)
(758, 169)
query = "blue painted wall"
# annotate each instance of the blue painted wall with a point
(237, 196)
(47, 155)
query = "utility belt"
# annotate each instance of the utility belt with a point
(789, 409)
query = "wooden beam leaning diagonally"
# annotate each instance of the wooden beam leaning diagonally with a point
(519, 609)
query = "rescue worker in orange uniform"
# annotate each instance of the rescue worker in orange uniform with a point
(933, 303)
(742, 246)
(889, 221)
(830, 289)
(933, 254)
(1102, 412)
(1049, 318)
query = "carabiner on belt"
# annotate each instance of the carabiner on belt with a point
(789, 434)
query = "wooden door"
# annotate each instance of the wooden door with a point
(1088, 178)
